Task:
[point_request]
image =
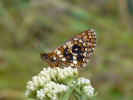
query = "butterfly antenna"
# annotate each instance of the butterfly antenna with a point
(36, 45)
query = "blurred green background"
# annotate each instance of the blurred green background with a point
(52, 22)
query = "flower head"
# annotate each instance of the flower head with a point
(84, 87)
(51, 91)
(50, 82)
(54, 84)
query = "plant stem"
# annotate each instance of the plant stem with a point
(66, 96)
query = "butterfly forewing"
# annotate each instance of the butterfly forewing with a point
(76, 51)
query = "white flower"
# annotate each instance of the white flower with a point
(52, 92)
(52, 84)
(48, 75)
(27, 93)
(84, 86)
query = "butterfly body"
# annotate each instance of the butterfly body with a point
(75, 52)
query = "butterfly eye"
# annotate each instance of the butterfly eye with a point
(44, 56)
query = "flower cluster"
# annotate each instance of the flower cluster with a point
(46, 76)
(84, 88)
(51, 91)
(54, 84)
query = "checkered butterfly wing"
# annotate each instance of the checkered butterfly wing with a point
(76, 51)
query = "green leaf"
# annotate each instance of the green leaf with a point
(69, 91)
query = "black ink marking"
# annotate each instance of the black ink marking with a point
(68, 56)
(80, 58)
(76, 49)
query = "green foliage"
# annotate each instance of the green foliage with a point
(50, 23)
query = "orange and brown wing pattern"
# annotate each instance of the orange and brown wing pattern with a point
(76, 51)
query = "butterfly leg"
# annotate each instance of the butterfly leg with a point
(50, 64)
(54, 66)
(56, 69)
(58, 64)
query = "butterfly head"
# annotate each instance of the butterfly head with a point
(44, 56)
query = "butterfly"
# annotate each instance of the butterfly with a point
(75, 52)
